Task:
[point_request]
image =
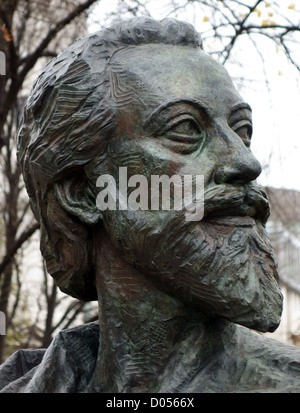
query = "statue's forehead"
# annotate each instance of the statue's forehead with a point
(158, 73)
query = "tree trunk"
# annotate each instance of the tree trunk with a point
(51, 304)
(4, 299)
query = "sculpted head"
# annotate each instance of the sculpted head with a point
(143, 95)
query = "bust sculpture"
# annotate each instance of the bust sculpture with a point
(178, 299)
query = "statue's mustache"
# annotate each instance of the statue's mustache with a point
(247, 200)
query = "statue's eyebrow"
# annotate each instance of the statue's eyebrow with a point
(240, 106)
(193, 102)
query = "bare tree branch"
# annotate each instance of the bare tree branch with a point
(26, 234)
(239, 30)
(32, 59)
(17, 79)
(17, 296)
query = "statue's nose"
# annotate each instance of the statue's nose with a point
(237, 175)
(239, 165)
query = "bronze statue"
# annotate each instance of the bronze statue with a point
(178, 299)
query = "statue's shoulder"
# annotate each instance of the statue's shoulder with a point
(65, 366)
(259, 345)
(273, 365)
(18, 369)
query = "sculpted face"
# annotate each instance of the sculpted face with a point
(177, 112)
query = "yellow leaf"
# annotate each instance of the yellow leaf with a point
(270, 14)
(265, 23)
(291, 7)
(258, 12)
(267, 4)
(279, 73)
(7, 35)
(205, 19)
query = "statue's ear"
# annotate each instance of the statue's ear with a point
(77, 198)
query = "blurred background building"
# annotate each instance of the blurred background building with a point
(284, 230)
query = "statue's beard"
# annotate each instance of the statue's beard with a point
(223, 265)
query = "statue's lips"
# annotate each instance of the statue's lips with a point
(239, 206)
(241, 215)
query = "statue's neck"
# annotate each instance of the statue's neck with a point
(144, 331)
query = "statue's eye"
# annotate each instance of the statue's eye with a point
(182, 134)
(244, 130)
(182, 127)
(186, 128)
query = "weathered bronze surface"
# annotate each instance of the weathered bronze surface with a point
(177, 300)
